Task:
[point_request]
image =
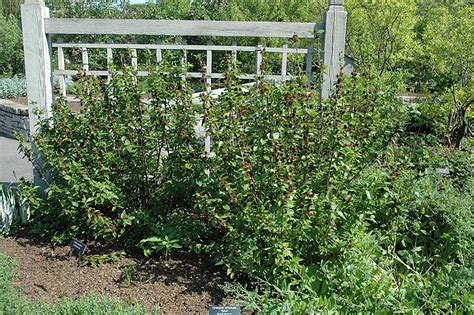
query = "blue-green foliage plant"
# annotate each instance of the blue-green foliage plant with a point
(14, 208)
(12, 87)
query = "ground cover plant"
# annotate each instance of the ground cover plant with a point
(12, 301)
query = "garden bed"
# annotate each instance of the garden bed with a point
(183, 284)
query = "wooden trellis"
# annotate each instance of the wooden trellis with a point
(38, 29)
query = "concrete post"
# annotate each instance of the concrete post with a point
(37, 67)
(334, 44)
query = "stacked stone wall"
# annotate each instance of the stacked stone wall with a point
(13, 119)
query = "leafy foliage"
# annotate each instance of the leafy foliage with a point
(166, 240)
(13, 208)
(118, 156)
(281, 179)
(381, 34)
(12, 88)
(452, 59)
(10, 7)
(321, 205)
(330, 206)
(11, 46)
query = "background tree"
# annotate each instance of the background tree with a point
(447, 46)
(11, 47)
(381, 33)
(10, 7)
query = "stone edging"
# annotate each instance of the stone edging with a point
(13, 119)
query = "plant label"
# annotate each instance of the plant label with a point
(78, 246)
(442, 171)
(224, 310)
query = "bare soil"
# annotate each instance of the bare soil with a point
(22, 100)
(184, 284)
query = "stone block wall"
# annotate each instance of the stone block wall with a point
(13, 118)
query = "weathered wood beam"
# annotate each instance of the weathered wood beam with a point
(181, 28)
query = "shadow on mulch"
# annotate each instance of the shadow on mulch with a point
(183, 284)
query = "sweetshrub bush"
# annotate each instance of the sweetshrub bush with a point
(320, 206)
(121, 161)
(280, 189)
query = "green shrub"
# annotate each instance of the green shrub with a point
(12, 88)
(425, 155)
(279, 190)
(11, 46)
(323, 206)
(428, 117)
(318, 204)
(10, 7)
(121, 162)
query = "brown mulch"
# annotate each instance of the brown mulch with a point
(22, 100)
(185, 284)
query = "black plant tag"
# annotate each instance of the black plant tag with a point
(224, 310)
(77, 246)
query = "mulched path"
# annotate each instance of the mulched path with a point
(185, 284)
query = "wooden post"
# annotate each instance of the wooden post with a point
(284, 62)
(37, 67)
(334, 43)
(110, 60)
(209, 67)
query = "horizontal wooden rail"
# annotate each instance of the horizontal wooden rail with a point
(182, 47)
(106, 73)
(181, 28)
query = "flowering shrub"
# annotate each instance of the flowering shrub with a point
(118, 156)
(321, 205)
(280, 189)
